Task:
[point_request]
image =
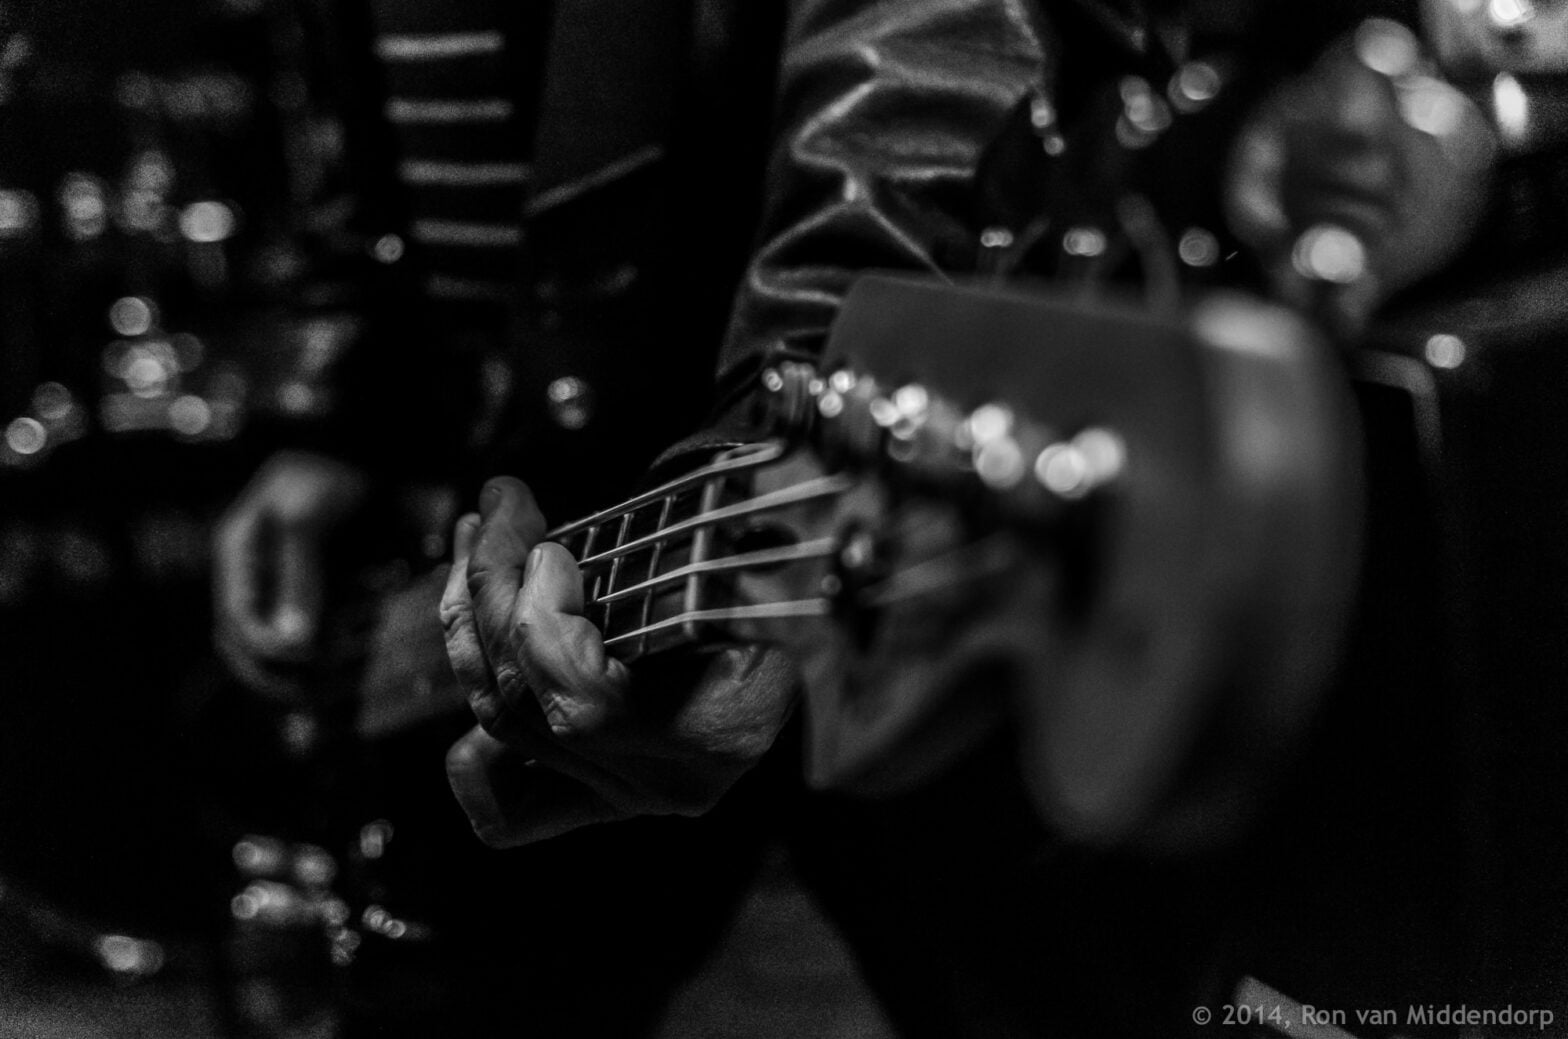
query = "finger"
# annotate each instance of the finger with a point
(510, 526)
(512, 803)
(464, 652)
(578, 685)
(457, 613)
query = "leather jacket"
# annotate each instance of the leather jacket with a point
(886, 110)
(889, 107)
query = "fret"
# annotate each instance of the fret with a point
(650, 564)
(739, 460)
(584, 538)
(807, 490)
(666, 507)
(603, 598)
(586, 542)
(701, 545)
(590, 538)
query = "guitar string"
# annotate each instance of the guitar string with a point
(615, 567)
(809, 490)
(703, 523)
(918, 579)
(923, 578)
(896, 588)
(701, 544)
(750, 456)
(760, 611)
(819, 548)
(655, 556)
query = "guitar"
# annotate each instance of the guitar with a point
(1131, 540)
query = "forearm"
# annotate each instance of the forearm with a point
(887, 107)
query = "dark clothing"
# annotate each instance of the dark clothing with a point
(649, 176)
(553, 204)
(888, 110)
(969, 917)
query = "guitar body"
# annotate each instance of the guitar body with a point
(1161, 644)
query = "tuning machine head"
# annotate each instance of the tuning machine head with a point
(1021, 468)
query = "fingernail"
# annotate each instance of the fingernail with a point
(535, 557)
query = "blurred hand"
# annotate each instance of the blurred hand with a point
(1360, 177)
(567, 737)
(269, 582)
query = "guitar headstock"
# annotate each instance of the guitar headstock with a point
(1129, 540)
(1135, 538)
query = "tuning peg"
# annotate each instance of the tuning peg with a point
(791, 389)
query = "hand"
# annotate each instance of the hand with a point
(1360, 177)
(268, 574)
(568, 737)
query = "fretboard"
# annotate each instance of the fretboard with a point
(660, 570)
(665, 569)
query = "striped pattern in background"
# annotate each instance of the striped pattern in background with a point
(461, 83)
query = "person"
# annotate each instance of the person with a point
(966, 922)
(552, 201)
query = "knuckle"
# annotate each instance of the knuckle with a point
(479, 579)
(509, 678)
(451, 614)
(494, 717)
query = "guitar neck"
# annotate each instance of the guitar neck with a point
(659, 568)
